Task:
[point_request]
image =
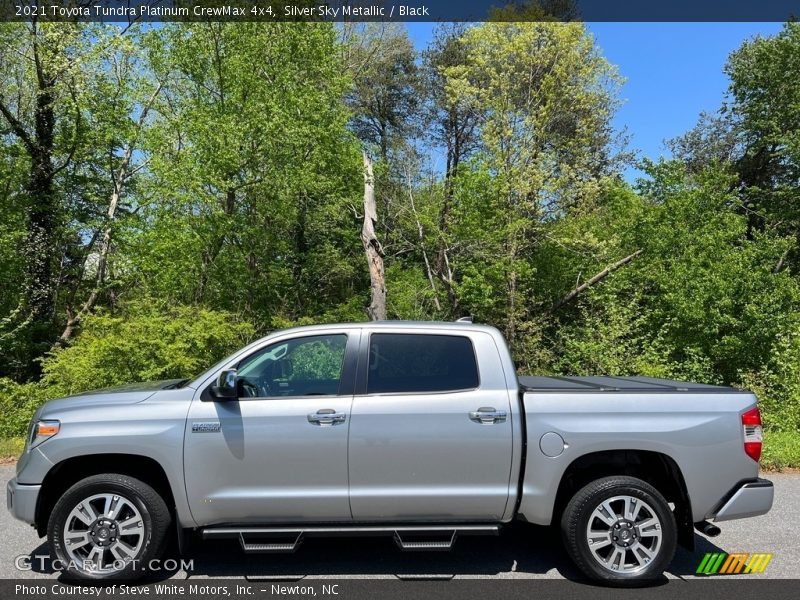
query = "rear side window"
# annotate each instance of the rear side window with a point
(420, 363)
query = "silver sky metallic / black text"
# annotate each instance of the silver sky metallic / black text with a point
(331, 12)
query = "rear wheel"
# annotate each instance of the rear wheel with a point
(108, 527)
(619, 530)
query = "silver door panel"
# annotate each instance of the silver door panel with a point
(429, 456)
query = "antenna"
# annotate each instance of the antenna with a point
(464, 319)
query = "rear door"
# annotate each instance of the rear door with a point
(430, 432)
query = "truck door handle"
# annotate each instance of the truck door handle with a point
(487, 415)
(326, 416)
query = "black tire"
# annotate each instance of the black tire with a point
(155, 525)
(574, 529)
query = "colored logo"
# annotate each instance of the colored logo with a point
(720, 563)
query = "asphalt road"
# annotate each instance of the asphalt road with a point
(521, 551)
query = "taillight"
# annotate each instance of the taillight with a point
(751, 424)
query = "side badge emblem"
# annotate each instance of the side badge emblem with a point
(207, 427)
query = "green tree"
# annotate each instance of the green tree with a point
(120, 93)
(385, 95)
(253, 173)
(454, 123)
(546, 96)
(39, 71)
(701, 301)
(756, 135)
(765, 103)
(51, 107)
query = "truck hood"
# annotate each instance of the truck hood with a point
(124, 394)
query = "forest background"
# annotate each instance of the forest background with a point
(170, 193)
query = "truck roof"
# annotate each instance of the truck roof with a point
(616, 384)
(395, 324)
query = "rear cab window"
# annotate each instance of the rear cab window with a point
(419, 363)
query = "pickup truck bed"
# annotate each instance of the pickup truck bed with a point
(574, 423)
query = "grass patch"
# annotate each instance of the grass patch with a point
(11, 448)
(781, 450)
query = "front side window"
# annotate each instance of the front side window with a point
(420, 363)
(307, 366)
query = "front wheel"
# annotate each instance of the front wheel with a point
(619, 530)
(108, 527)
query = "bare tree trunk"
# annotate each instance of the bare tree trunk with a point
(74, 319)
(421, 234)
(119, 179)
(447, 277)
(511, 325)
(443, 270)
(372, 247)
(594, 280)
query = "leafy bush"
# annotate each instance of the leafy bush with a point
(11, 448)
(144, 345)
(18, 402)
(778, 385)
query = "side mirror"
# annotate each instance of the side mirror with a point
(227, 387)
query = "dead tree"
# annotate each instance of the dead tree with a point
(372, 247)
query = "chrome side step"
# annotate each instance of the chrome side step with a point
(425, 542)
(269, 547)
(408, 538)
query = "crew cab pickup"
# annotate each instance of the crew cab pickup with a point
(421, 431)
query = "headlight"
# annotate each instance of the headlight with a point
(42, 430)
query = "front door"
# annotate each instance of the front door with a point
(430, 432)
(279, 452)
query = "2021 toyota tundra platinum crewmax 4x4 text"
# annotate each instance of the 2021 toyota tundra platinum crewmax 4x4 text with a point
(417, 430)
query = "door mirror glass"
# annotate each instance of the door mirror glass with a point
(227, 386)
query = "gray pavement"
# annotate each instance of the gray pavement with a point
(521, 551)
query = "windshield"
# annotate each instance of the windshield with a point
(200, 377)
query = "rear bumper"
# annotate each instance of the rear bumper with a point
(747, 499)
(21, 500)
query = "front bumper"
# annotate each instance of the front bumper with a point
(21, 500)
(747, 499)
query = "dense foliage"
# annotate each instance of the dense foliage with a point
(168, 194)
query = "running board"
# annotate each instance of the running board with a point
(408, 538)
(266, 547)
(425, 541)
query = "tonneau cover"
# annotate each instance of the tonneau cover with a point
(615, 384)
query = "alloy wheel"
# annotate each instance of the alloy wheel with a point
(104, 532)
(624, 534)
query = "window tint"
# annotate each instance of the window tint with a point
(420, 363)
(307, 366)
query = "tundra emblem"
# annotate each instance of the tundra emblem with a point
(205, 427)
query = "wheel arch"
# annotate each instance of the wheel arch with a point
(69, 471)
(658, 469)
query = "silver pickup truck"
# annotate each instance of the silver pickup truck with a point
(421, 431)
